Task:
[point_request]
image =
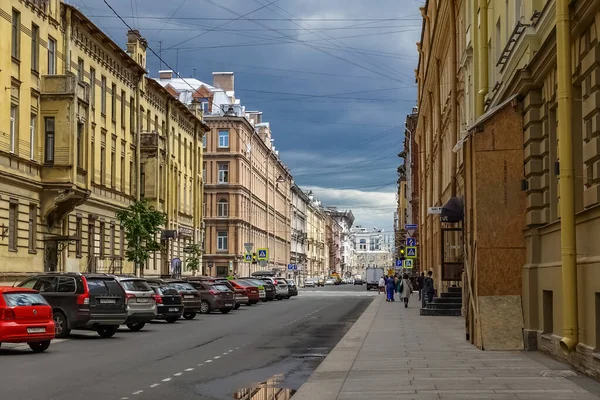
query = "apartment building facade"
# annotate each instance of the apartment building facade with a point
(345, 220)
(299, 232)
(316, 245)
(246, 184)
(72, 145)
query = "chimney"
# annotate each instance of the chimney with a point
(223, 80)
(166, 74)
(136, 47)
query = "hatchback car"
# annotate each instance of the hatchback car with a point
(25, 317)
(292, 287)
(280, 285)
(260, 285)
(141, 302)
(215, 296)
(82, 301)
(310, 282)
(270, 290)
(169, 305)
(329, 281)
(250, 289)
(189, 295)
(239, 295)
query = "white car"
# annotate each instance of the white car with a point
(310, 283)
(330, 281)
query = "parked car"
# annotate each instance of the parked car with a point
(260, 285)
(169, 305)
(320, 282)
(239, 295)
(270, 290)
(25, 317)
(189, 295)
(292, 287)
(329, 281)
(280, 285)
(251, 290)
(215, 296)
(82, 301)
(358, 281)
(310, 282)
(141, 302)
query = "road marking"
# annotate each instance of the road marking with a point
(189, 369)
(316, 311)
(138, 392)
(208, 361)
(124, 398)
(178, 374)
(225, 353)
(167, 379)
(230, 351)
(154, 385)
(200, 365)
(216, 357)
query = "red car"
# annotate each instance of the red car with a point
(251, 291)
(25, 317)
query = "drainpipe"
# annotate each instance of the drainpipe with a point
(483, 57)
(567, 179)
(453, 95)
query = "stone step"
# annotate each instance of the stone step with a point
(454, 290)
(431, 312)
(447, 300)
(453, 295)
(445, 306)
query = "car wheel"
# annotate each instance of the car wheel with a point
(107, 331)
(190, 315)
(172, 320)
(225, 310)
(237, 306)
(39, 347)
(136, 327)
(61, 328)
(204, 307)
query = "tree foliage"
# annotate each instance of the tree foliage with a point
(193, 259)
(141, 223)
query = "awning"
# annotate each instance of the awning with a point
(453, 210)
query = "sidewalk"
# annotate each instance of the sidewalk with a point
(394, 353)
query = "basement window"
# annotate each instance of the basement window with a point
(548, 311)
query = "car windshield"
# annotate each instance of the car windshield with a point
(182, 286)
(24, 299)
(166, 290)
(220, 288)
(136, 285)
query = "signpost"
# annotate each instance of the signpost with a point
(411, 252)
(434, 210)
(248, 257)
(292, 267)
(411, 241)
(399, 263)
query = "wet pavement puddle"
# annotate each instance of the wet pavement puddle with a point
(268, 390)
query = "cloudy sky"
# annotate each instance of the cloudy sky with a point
(333, 77)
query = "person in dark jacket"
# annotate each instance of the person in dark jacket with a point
(390, 287)
(428, 288)
(420, 282)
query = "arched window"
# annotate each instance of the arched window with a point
(222, 208)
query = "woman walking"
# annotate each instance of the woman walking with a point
(390, 288)
(405, 289)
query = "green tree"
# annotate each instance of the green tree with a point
(141, 222)
(193, 259)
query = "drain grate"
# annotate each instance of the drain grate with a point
(311, 356)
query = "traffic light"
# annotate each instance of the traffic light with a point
(253, 258)
(402, 253)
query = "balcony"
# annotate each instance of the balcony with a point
(65, 86)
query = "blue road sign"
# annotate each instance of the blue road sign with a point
(290, 266)
(410, 226)
(398, 263)
(411, 241)
(248, 257)
(263, 254)
(295, 267)
(411, 252)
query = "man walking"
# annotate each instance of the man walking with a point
(428, 287)
(420, 281)
(390, 287)
(382, 285)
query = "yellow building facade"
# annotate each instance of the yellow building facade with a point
(77, 107)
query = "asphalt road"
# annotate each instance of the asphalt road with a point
(262, 347)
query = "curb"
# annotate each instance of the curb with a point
(327, 380)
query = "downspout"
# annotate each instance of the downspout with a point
(567, 179)
(453, 96)
(438, 115)
(167, 188)
(483, 57)
(138, 122)
(429, 200)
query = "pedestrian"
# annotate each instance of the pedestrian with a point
(390, 286)
(382, 284)
(406, 289)
(428, 289)
(420, 281)
(396, 283)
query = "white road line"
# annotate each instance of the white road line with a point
(189, 369)
(167, 379)
(124, 398)
(230, 351)
(237, 348)
(178, 374)
(316, 311)
(154, 385)
(200, 365)
(208, 361)
(225, 353)
(138, 392)
(216, 357)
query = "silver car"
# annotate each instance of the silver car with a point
(141, 302)
(281, 287)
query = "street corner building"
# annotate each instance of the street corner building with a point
(520, 163)
(84, 133)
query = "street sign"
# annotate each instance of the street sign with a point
(411, 252)
(399, 263)
(263, 263)
(411, 228)
(434, 210)
(248, 257)
(263, 254)
(408, 264)
(411, 241)
(295, 267)
(188, 249)
(248, 247)
(290, 266)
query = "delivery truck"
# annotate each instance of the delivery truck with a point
(372, 276)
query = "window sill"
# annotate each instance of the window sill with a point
(222, 251)
(32, 251)
(223, 147)
(15, 60)
(13, 250)
(35, 72)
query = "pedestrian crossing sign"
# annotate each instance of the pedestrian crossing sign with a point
(408, 264)
(411, 252)
(248, 257)
(263, 254)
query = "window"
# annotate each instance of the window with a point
(113, 168)
(221, 241)
(66, 285)
(80, 142)
(13, 224)
(223, 172)
(517, 11)
(223, 208)
(51, 56)
(204, 173)
(142, 180)
(123, 108)
(131, 178)
(32, 126)
(179, 148)
(78, 234)
(49, 140)
(103, 95)
(35, 47)
(16, 34)
(14, 115)
(122, 243)
(112, 240)
(102, 164)
(32, 238)
(123, 172)
(102, 239)
(113, 106)
(131, 114)
(80, 70)
(93, 87)
(185, 152)
(223, 138)
(204, 141)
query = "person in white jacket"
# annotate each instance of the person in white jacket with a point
(382, 285)
(406, 289)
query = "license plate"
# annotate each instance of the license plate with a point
(108, 301)
(36, 330)
(228, 305)
(142, 300)
(188, 297)
(173, 309)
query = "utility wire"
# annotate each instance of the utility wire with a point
(172, 15)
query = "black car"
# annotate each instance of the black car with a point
(268, 285)
(190, 296)
(292, 288)
(82, 301)
(169, 305)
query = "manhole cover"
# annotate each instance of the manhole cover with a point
(558, 373)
